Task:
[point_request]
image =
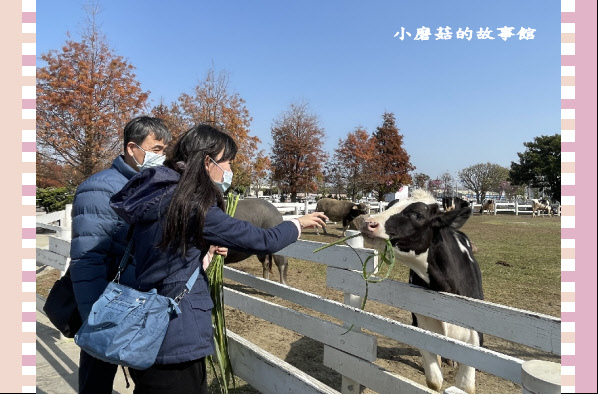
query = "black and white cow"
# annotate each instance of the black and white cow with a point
(452, 203)
(541, 205)
(260, 213)
(440, 258)
(488, 206)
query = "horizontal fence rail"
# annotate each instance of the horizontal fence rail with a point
(495, 363)
(323, 331)
(253, 364)
(528, 328)
(370, 375)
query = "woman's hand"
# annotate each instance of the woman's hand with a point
(221, 250)
(207, 259)
(314, 219)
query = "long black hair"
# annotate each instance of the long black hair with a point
(195, 192)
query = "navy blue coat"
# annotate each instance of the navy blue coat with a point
(144, 202)
(98, 238)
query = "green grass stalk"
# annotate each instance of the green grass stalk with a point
(388, 258)
(224, 374)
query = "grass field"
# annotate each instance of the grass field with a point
(531, 248)
(527, 250)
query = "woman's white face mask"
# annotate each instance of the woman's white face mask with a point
(227, 178)
(151, 159)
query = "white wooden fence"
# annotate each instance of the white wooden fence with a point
(295, 209)
(512, 207)
(352, 355)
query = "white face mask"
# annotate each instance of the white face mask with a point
(227, 178)
(151, 160)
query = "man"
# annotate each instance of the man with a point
(99, 234)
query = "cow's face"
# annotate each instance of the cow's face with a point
(411, 232)
(361, 208)
(410, 229)
(377, 238)
(355, 211)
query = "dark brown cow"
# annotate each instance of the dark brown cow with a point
(452, 203)
(260, 213)
(340, 211)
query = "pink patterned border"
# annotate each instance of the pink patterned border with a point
(28, 325)
(568, 247)
(568, 198)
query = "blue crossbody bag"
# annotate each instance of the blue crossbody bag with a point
(127, 326)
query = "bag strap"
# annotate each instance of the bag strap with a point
(188, 285)
(125, 259)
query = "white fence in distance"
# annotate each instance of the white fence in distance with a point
(352, 354)
(513, 207)
(293, 210)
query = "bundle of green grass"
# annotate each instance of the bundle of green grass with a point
(224, 374)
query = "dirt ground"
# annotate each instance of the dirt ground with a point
(307, 354)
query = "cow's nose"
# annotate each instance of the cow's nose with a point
(371, 225)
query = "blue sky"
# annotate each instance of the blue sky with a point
(457, 102)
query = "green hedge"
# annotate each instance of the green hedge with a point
(54, 198)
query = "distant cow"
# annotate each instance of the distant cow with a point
(340, 211)
(452, 203)
(260, 213)
(541, 205)
(488, 206)
(440, 258)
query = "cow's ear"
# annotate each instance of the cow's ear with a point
(460, 217)
(454, 219)
(433, 209)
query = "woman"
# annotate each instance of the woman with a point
(178, 213)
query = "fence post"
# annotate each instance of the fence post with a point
(348, 385)
(540, 377)
(516, 208)
(66, 232)
(305, 213)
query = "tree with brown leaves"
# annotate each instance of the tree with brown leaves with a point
(260, 169)
(353, 159)
(173, 118)
(50, 174)
(214, 103)
(297, 153)
(85, 96)
(391, 163)
(420, 180)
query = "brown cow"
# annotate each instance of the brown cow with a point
(488, 206)
(260, 213)
(338, 211)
